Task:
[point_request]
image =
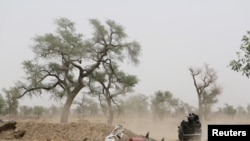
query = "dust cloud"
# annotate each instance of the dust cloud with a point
(95, 127)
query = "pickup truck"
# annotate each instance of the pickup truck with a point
(191, 129)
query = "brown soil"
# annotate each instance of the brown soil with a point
(95, 129)
(42, 131)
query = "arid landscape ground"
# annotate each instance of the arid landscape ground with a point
(96, 129)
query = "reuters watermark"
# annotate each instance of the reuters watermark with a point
(219, 132)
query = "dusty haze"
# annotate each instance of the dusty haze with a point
(95, 128)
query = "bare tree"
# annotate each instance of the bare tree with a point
(203, 79)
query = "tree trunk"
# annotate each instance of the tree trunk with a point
(200, 107)
(111, 113)
(66, 108)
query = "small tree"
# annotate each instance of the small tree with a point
(54, 110)
(209, 98)
(241, 112)
(11, 102)
(38, 111)
(86, 106)
(242, 63)
(163, 103)
(25, 110)
(2, 105)
(136, 105)
(108, 83)
(248, 109)
(229, 110)
(203, 79)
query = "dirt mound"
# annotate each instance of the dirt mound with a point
(42, 131)
(7, 126)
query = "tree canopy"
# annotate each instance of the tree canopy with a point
(242, 63)
(64, 61)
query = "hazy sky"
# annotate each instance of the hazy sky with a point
(174, 35)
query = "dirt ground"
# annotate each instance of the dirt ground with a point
(96, 129)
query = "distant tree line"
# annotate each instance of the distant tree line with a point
(160, 105)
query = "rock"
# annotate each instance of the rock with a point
(11, 125)
(19, 134)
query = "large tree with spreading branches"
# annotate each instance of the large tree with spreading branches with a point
(64, 61)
